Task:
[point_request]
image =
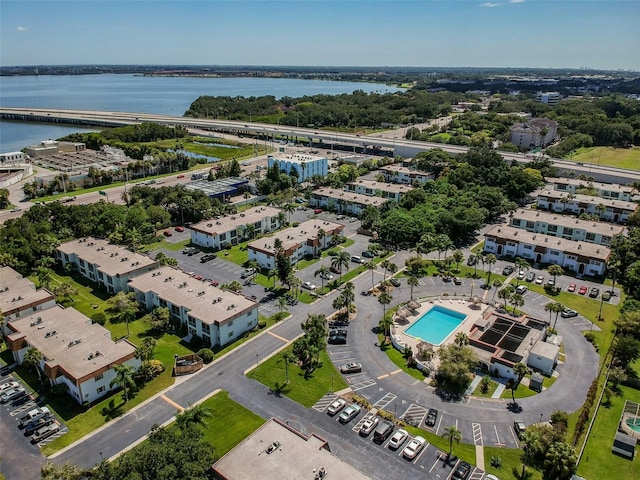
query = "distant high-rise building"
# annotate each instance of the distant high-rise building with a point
(550, 98)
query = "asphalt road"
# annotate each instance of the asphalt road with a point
(486, 422)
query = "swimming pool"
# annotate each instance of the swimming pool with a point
(435, 325)
(634, 424)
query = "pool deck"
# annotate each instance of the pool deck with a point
(473, 312)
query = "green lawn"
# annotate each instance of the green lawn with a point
(597, 460)
(305, 391)
(492, 388)
(396, 357)
(511, 458)
(229, 424)
(237, 254)
(609, 156)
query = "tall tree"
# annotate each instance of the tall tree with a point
(453, 435)
(555, 271)
(32, 359)
(123, 379)
(339, 261)
(412, 281)
(384, 299)
(323, 272)
(193, 416)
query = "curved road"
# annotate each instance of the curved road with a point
(485, 422)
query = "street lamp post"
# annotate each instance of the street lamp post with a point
(257, 360)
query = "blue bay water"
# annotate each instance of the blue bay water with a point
(136, 93)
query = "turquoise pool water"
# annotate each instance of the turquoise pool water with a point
(435, 325)
(634, 424)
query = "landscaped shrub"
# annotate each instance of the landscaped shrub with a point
(496, 462)
(206, 355)
(485, 383)
(148, 370)
(100, 318)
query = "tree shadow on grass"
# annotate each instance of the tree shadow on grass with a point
(112, 410)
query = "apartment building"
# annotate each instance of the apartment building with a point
(611, 191)
(389, 191)
(19, 296)
(565, 226)
(216, 316)
(110, 266)
(308, 238)
(75, 352)
(232, 229)
(399, 174)
(537, 132)
(616, 211)
(333, 199)
(306, 165)
(582, 258)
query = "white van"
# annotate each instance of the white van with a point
(356, 259)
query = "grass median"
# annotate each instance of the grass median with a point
(305, 390)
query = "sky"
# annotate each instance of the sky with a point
(440, 33)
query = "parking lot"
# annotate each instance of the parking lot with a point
(429, 459)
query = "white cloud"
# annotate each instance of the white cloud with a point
(22, 29)
(490, 5)
(516, 1)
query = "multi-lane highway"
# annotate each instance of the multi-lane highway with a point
(399, 146)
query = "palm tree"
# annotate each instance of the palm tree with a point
(124, 379)
(385, 265)
(322, 234)
(250, 231)
(193, 416)
(520, 370)
(371, 266)
(412, 281)
(145, 350)
(554, 307)
(384, 299)
(32, 359)
(323, 272)
(517, 300)
(555, 270)
(246, 196)
(282, 219)
(339, 261)
(505, 294)
(288, 358)
(452, 434)
(392, 268)
(282, 303)
(496, 283)
(489, 260)
(521, 265)
(458, 257)
(289, 208)
(461, 339)
(272, 273)
(125, 307)
(348, 295)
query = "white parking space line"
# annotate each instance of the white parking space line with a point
(23, 408)
(439, 425)
(477, 474)
(324, 402)
(477, 433)
(384, 401)
(357, 426)
(498, 443)
(361, 385)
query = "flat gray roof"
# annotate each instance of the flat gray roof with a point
(18, 292)
(550, 218)
(518, 235)
(217, 187)
(67, 337)
(205, 302)
(613, 187)
(381, 186)
(111, 259)
(358, 198)
(229, 223)
(589, 200)
(297, 457)
(293, 236)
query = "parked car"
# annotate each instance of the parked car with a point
(432, 416)
(383, 431)
(571, 288)
(12, 394)
(606, 296)
(356, 259)
(207, 257)
(168, 233)
(520, 275)
(349, 413)
(337, 340)
(462, 471)
(336, 406)
(33, 414)
(309, 286)
(36, 424)
(248, 272)
(413, 448)
(395, 282)
(457, 280)
(582, 290)
(338, 333)
(326, 276)
(44, 432)
(472, 260)
(568, 313)
(521, 289)
(508, 270)
(398, 439)
(519, 428)
(352, 367)
(317, 211)
(368, 426)
(539, 280)
(335, 269)
(179, 229)
(594, 292)
(180, 176)
(7, 386)
(367, 254)
(530, 277)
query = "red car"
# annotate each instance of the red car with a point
(179, 229)
(198, 277)
(215, 283)
(317, 211)
(582, 290)
(180, 176)
(167, 233)
(571, 287)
